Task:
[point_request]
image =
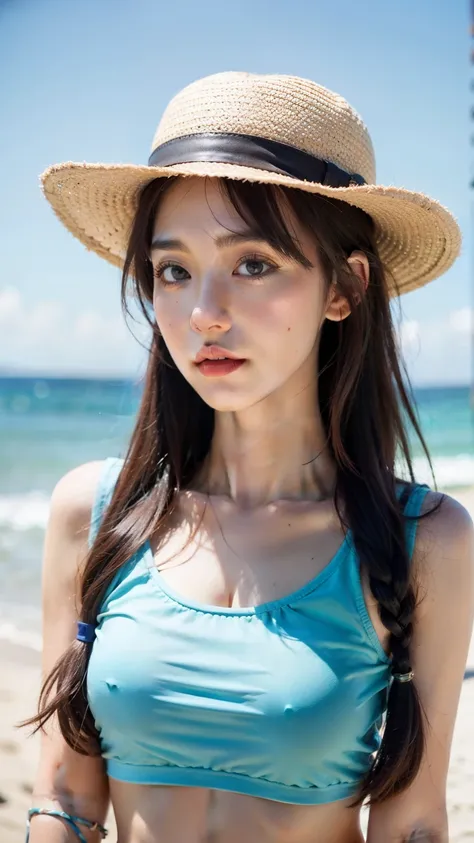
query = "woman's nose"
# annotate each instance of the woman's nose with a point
(211, 311)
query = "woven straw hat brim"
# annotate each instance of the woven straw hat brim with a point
(417, 237)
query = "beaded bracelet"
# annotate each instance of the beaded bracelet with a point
(72, 822)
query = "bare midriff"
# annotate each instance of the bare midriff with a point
(155, 814)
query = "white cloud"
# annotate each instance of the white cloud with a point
(10, 305)
(410, 335)
(44, 318)
(28, 325)
(45, 337)
(94, 326)
(462, 321)
(438, 351)
(88, 324)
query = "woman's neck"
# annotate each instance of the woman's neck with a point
(276, 449)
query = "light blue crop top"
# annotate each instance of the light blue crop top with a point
(282, 701)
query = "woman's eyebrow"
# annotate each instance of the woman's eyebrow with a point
(222, 241)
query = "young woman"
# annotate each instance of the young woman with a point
(245, 634)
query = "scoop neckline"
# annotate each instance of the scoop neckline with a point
(243, 611)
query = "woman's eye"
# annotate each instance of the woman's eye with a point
(171, 273)
(255, 267)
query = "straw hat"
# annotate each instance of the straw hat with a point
(260, 128)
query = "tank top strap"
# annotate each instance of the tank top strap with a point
(109, 473)
(411, 498)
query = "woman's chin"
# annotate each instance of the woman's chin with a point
(222, 399)
(227, 404)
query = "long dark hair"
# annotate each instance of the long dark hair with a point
(366, 407)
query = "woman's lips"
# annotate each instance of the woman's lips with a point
(218, 368)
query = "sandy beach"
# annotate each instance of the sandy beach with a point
(19, 682)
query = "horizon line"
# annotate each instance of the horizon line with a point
(10, 374)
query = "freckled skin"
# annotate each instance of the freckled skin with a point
(273, 321)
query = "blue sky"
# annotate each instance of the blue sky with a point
(88, 81)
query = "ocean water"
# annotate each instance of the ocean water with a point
(48, 426)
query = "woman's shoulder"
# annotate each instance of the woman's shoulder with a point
(77, 491)
(448, 519)
(445, 541)
(73, 498)
(66, 541)
(80, 496)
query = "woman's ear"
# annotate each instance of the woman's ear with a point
(338, 307)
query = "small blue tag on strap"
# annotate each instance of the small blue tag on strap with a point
(85, 632)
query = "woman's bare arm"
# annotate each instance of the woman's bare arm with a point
(66, 780)
(444, 559)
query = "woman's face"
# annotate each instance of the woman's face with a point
(216, 285)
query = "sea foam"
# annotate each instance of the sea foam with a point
(24, 511)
